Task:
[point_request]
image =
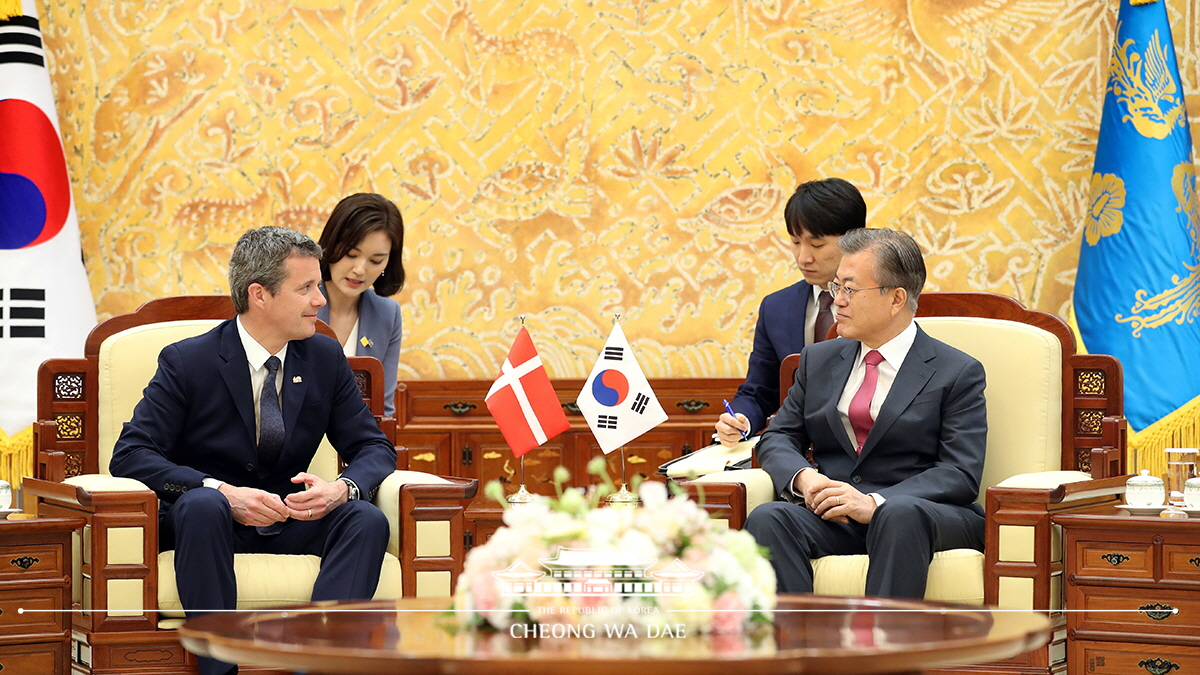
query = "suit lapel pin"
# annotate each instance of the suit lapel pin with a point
(366, 342)
(297, 379)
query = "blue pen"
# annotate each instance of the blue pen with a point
(729, 410)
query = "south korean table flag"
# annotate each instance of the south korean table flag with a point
(617, 401)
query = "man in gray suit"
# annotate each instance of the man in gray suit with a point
(897, 425)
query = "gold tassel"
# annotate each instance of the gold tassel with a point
(9, 9)
(16, 457)
(1180, 429)
(1142, 2)
(1073, 324)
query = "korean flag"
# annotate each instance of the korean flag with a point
(617, 401)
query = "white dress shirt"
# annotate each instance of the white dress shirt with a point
(351, 346)
(894, 351)
(256, 357)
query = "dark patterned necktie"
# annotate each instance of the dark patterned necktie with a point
(270, 419)
(824, 316)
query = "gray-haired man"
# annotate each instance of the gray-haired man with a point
(898, 426)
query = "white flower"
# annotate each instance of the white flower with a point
(653, 494)
(661, 529)
(638, 544)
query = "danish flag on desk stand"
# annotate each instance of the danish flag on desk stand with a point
(523, 401)
(616, 400)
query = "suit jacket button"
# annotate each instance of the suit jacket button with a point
(856, 479)
(250, 467)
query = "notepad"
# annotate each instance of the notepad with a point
(711, 459)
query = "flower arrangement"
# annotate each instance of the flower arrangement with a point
(568, 566)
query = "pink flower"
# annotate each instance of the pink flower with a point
(728, 613)
(483, 591)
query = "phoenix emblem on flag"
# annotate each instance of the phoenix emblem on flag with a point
(1181, 302)
(1142, 82)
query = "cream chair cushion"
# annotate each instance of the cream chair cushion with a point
(127, 361)
(954, 576)
(265, 581)
(1023, 365)
(1024, 392)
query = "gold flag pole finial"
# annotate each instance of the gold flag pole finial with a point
(522, 318)
(616, 318)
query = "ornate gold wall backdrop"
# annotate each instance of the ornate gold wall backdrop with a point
(573, 160)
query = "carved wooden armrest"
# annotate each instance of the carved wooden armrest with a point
(1109, 458)
(51, 465)
(1021, 544)
(719, 500)
(427, 523)
(119, 552)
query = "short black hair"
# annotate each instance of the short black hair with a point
(823, 208)
(352, 219)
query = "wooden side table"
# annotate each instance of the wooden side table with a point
(35, 574)
(1133, 591)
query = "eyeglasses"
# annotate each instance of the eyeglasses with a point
(837, 289)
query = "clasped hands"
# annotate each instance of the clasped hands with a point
(258, 508)
(833, 500)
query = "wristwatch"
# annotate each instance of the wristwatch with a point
(352, 489)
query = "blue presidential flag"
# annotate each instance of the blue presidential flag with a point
(1137, 294)
(46, 306)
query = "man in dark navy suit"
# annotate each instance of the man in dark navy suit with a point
(817, 214)
(897, 423)
(228, 425)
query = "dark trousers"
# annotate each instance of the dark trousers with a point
(351, 541)
(901, 539)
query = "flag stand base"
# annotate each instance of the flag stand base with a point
(521, 496)
(623, 497)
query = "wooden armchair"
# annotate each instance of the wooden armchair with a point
(1056, 443)
(124, 590)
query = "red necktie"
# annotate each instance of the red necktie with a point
(824, 316)
(860, 405)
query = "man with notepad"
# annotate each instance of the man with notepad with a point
(817, 214)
